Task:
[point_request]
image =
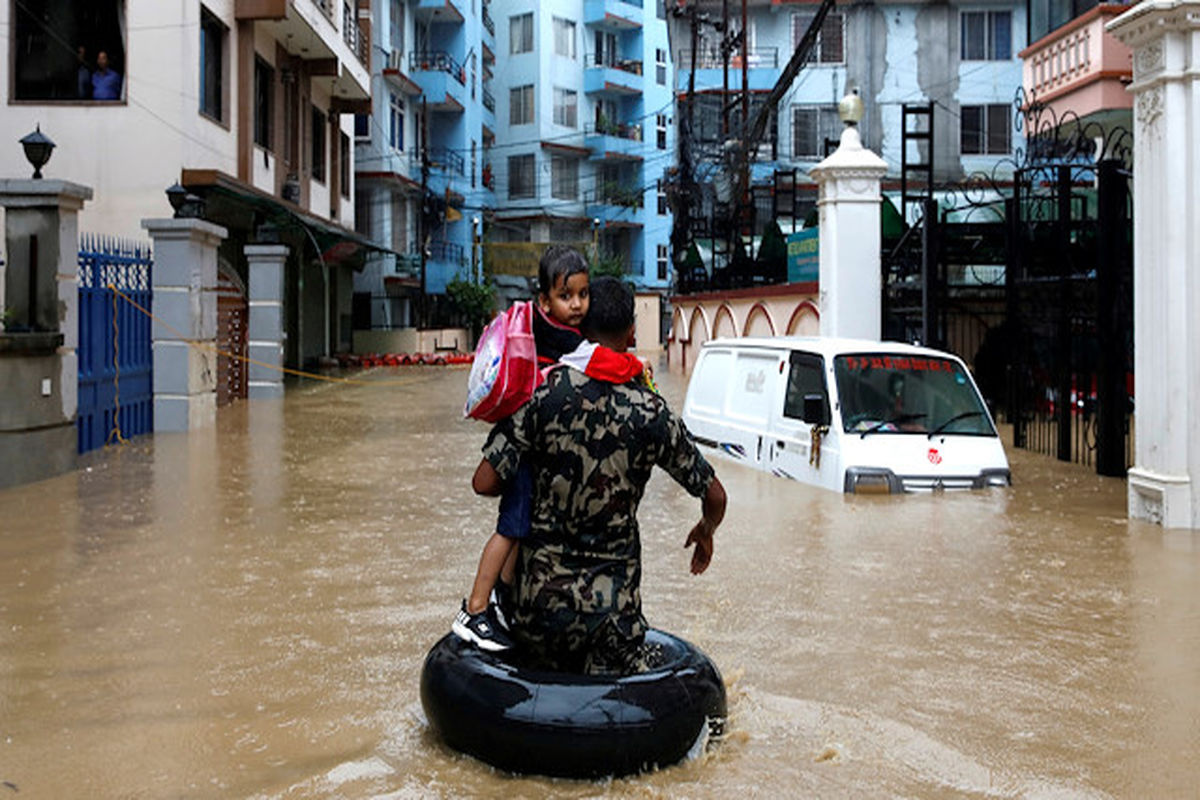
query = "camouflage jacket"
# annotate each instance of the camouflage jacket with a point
(592, 446)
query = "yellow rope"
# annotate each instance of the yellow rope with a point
(206, 346)
(116, 420)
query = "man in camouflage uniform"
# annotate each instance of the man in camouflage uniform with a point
(592, 446)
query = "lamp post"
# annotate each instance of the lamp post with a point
(38, 147)
(596, 238)
(476, 266)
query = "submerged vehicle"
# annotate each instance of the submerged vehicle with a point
(844, 414)
(527, 720)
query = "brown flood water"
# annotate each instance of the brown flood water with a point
(245, 614)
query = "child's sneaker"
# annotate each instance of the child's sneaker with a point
(479, 629)
(497, 604)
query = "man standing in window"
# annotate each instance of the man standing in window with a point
(106, 83)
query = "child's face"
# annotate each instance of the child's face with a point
(568, 300)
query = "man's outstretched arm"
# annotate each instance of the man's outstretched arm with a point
(712, 511)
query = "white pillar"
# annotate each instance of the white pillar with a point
(849, 203)
(1164, 484)
(185, 357)
(266, 268)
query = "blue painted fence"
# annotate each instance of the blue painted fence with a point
(115, 389)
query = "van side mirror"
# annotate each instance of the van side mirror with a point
(814, 409)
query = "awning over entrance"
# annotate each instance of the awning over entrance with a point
(237, 205)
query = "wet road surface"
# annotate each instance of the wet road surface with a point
(244, 613)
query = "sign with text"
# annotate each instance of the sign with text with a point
(803, 263)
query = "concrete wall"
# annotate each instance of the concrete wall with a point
(411, 340)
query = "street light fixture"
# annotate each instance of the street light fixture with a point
(37, 150)
(850, 109)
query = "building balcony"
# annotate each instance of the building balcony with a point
(489, 26)
(441, 78)
(613, 15)
(762, 71)
(614, 141)
(447, 255)
(439, 11)
(615, 206)
(1080, 67)
(333, 44)
(613, 77)
(395, 73)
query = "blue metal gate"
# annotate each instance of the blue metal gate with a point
(115, 393)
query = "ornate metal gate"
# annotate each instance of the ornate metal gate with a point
(1029, 278)
(115, 359)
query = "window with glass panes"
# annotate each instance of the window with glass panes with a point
(318, 144)
(396, 132)
(520, 33)
(660, 66)
(520, 105)
(984, 130)
(829, 47)
(564, 178)
(986, 35)
(566, 107)
(662, 262)
(811, 126)
(564, 37)
(521, 177)
(660, 131)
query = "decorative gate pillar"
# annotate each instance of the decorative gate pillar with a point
(1164, 484)
(851, 284)
(266, 264)
(39, 367)
(185, 299)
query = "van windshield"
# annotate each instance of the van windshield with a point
(888, 394)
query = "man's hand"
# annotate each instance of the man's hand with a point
(701, 536)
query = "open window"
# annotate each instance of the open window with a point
(806, 379)
(67, 51)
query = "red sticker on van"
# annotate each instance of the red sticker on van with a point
(934, 456)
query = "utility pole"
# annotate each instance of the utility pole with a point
(684, 185)
(422, 218)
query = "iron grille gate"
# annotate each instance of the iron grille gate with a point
(1030, 279)
(115, 357)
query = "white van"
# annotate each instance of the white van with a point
(848, 415)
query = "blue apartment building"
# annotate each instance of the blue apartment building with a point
(961, 57)
(424, 181)
(584, 131)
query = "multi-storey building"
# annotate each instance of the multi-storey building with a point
(425, 184)
(959, 58)
(584, 132)
(246, 103)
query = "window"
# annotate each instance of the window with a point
(986, 35)
(318, 145)
(606, 49)
(564, 178)
(56, 45)
(344, 163)
(660, 66)
(806, 377)
(662, 198)
(213, 38)
(396, 25)
(362, 126)
(396, 129)
(474, 162)
(472, 76)
(662, 9)
(566, 107)
(264, 106)
(811, 126)
(564, 38)
(520, 177)
(520, 105)
(520, 33)
(985, 130)
(828, 49)
(662, 262)
(660, 130)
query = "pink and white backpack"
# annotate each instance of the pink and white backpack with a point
(505, 370)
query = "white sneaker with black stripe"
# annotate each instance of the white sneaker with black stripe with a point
(480, 630)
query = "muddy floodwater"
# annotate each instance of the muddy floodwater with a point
(244, 613)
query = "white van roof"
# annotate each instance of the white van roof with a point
(827, 346)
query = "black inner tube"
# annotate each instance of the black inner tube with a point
(565, 725)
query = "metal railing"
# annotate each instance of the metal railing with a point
(614, 194)
(489, 102)
(447, 251)
(353, 35)
(620, 130)
(710, 58)
(603, 59)
(443, 159)
(436, 61)
(487, 22)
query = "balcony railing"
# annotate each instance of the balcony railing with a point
(326, 6)
(710, 58)
(487, 22)
(1080, 65)
(602, 59)
(436, 60)
(447, 251)
(489, 102)
(353, 35)
(442, 158)
(618, 129)
(614, 194)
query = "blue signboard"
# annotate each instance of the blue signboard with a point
(803, 262)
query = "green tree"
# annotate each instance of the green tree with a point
(475, 301)
(607, 264)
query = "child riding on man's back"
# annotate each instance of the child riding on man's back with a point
(561, 305)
